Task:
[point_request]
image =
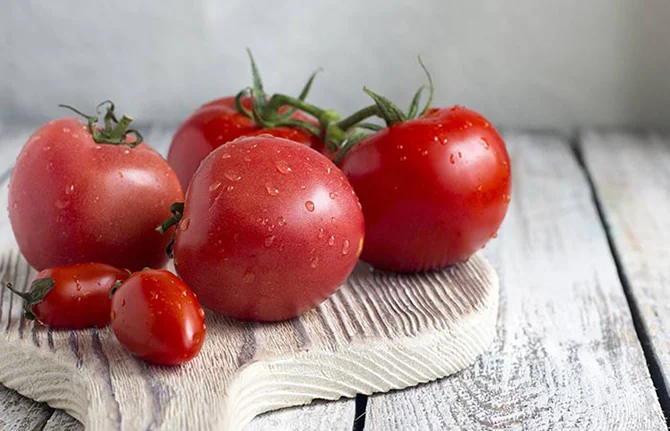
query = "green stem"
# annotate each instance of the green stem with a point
(357, 117)
(279, 100)
(120, 129)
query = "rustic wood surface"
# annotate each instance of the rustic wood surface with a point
(565, 336)
(631, 173)
(379, 332)
(566, 355)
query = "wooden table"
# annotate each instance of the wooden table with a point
(584, 261)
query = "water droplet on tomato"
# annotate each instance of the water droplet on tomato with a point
(269, 240)
(77, 283)
(271, 189)
(486, 143)
(332, 219)
(303, 187)
(310, 206)
(126, 151)
(47, 148)
(265, 221)
(345, 247)
(332, 195)
(271, 228)
(282, 167)
(225, 156)
(15, 205)
(331, 240)
(452, 159)
(494, 235)
(201, 312)
(281, 221)
(249, 276)
(233, 175)
(460, 155)
(480, 188)
(66, 130)
(399, 146)
(230, 188)
(424, 152)
(185, 223)
(314, 262)
(436, 138)
(183, 293)
(486, 124)
(123, 303)
(69, 189)
(215, 186)
(403, 158)
(75, 135)
(246, 158)
(120, 174)
(322, 233)
(328, 170)
(507, 197)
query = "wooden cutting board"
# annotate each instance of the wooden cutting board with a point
(379, 332)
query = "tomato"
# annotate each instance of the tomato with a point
(74, 200)
(72, 297)
(158, 318)
(434, 189)
(270, 229)
(218, 122)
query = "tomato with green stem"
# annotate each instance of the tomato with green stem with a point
(91, 193)
(71, 297)
(434, 184)
(223, 120)
(157, 317)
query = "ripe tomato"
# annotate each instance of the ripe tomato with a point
(216, 123)
(158, 318)
(74, 200)
(433, 189)
(72, 297)
(270, 229)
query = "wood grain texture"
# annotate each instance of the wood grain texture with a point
(61, 421)
(18, 413)
(566, 355)
(379, 332)
(631, 173)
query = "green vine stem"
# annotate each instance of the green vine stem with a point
(115, 131)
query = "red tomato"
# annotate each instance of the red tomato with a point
(72, 200)
(216, 123)
(434, 190)
(158, 318)
(72, 297)
(270, 229)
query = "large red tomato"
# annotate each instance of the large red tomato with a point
(270, 229)
(218, 122)
(433, 189)
(73, 200)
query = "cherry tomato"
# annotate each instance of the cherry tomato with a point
(74, 200)
(72, 297)
(270, 229)
(158, 318)
(434, 189)
(216, 123)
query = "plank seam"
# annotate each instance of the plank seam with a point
(650, 357)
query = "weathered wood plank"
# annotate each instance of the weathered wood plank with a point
(61, 421)
(566, 355)
(631, 174)
(379, 332)
(18, 413)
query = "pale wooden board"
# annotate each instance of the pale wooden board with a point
(18, 413)
(61, 421)
(631, 173)
(566, 355)
(379, 332)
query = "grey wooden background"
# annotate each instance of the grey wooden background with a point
(582, 334)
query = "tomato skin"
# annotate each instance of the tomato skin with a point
(270, 229)
(158, 318)
(434, 190)
(72, 200)
(80, 296)
(216, 123)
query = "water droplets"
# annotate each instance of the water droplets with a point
(310, 206)
(185, 223)
(214, 186)
(269, 240)
(248, 276)
(232, 175)
(69, 189)
(120, 174)
(303, 187)
(225, 156)
(460, 155)
(399, 146)
(66, 130)
(424, 153)
(322, 233)
(403, 158)
(271, 189)
(281, 221)
(494, 235)
(346, 245)
(201, 312)
(246, 158)
(126, 151)
(480, 188)
(332, 195)
(486, 143)
(77, 283)
(331, 240)
(282, 167)
(452, 159)
(507, 197)
(230, 188)
(314, 262)
(46, 148)
(328, 170)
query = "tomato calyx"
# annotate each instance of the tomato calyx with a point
(115, 131)
(267, 112)
(39, 289)
(177, 210)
